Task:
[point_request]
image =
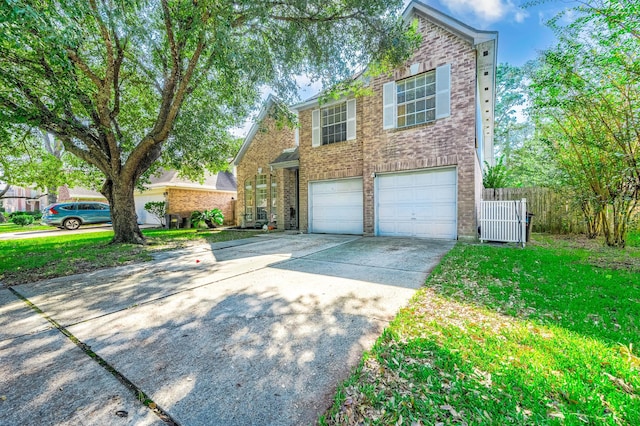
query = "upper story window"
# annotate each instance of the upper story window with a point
(416, 99)
(334, 123)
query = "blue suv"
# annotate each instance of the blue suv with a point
(71, 215)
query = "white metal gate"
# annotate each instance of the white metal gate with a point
(503, 221)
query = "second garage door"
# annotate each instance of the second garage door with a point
(335, 206)
(417, 204)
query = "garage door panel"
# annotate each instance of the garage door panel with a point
(421, 204)
(144, 217)
(336, 206)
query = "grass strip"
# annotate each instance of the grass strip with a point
(34, 259)
(548, 335)
(12, 227)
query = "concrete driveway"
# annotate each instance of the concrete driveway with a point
(257, 331)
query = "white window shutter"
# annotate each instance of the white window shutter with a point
(315, 128)
(351, 119)
(443, 91)
(389, 105)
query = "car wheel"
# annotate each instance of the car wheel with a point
(71, 224)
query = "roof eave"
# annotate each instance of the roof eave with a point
(254, 128)
(465, 31)
(285, 165)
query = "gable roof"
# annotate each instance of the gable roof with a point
(483, 41)
(463, 30)
(264, 111)
(486, 44)
(222, 181)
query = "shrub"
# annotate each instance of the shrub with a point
(158, 209)
(22, 219)
(495, 176)
(36, 215)
(210, 217)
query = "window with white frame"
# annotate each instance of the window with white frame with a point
(416, 99)
(248, 200)
(274, 198)
(334, 123)
(261, 197)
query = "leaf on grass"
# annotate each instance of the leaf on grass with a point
(626, 387)
(556, 415)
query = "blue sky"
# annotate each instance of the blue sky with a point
(522, 33)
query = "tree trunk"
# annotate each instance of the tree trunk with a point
(123, 212)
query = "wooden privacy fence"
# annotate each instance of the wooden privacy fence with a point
(552, 210)
(504, 221)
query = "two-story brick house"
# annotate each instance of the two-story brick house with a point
(404, 161)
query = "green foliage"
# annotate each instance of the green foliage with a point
(158, 209)
(512, 128)
(153, 84)
(210, 217)
(508, 336)
(215, 216)
(33, 259)
(586, 103)
(496, 176)
(31, 159)
(22, 219)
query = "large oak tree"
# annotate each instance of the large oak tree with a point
(124, 84)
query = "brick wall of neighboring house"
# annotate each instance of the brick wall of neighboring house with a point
(446, 142)
(63, 194)
(184, 201)
(266, 145)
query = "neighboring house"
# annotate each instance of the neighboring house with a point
(404, 161)
(184, 196)
(19, 199)
(66, 194)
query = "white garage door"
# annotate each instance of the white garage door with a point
(336, 206)
(144, 217)
(417, 204)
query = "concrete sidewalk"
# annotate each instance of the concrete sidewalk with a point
(257, 331)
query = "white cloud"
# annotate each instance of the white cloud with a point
(487, 11)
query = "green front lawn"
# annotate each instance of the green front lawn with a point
(501, 335)
(12, 227)
(34, 259)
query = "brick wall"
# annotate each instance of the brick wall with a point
(184, 201)
(332, 161)
(266, 145)
(445, 142)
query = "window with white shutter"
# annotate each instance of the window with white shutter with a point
(315, 127)
(419, 99)
(443, 91)
(335, 123)
(351, 119)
